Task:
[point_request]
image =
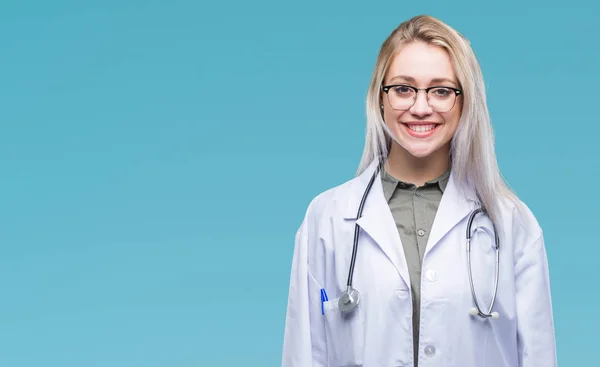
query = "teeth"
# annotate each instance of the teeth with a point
(421, 128)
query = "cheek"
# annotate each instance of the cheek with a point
(451, 120)
(391, 117)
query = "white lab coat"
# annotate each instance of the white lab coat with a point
(379, 333)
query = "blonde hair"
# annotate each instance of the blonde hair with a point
(472, 153)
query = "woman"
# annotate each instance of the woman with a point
(430, 155)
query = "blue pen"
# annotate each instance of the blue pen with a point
(324, 299)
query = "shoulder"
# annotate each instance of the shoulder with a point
(519, 214)
(519, 224)
(321, 215)
(328, 202)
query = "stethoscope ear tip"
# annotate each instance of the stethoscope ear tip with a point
(495, 315)
(473, 311)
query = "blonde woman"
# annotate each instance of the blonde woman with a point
(426, 258)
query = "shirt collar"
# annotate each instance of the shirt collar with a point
(390, 183)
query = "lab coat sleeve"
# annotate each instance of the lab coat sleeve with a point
(304, 336)
(535, 325)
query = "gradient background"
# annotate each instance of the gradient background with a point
(157, 158)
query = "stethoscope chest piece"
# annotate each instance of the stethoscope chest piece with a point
(349, 300)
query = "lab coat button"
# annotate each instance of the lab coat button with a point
(430, 351)
(431, 275)
(421, 232)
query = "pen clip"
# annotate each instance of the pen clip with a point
(324, 299)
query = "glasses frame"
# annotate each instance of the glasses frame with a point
(386, 89)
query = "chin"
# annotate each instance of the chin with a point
(420, 152)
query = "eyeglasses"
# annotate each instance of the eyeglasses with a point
(402, 97)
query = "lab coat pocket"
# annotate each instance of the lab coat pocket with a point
(345, 335)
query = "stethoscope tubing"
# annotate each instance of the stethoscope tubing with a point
(352, 295)
(357, 227)
(469, 235)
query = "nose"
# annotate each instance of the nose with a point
(421, 106)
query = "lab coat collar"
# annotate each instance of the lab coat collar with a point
(377, 220)
(457, 203)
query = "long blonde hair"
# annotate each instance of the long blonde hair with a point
(472, 152)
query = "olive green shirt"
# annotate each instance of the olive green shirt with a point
(414, 209)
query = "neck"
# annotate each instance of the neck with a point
(410, 169)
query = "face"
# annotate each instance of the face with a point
(420, 130)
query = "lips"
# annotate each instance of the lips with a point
(421, 129)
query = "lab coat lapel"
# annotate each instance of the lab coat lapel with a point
(454, 207)
(377, 220)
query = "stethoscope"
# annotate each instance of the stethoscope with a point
(350, 298)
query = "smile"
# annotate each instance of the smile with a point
(421, 131)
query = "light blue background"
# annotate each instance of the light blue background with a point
(156, 159)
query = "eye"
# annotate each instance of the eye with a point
(442, 92)
(403, 90)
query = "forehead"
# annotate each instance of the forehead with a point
(422, 62)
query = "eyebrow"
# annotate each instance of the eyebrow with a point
(434, 80)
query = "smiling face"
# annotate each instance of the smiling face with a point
(420, 130)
